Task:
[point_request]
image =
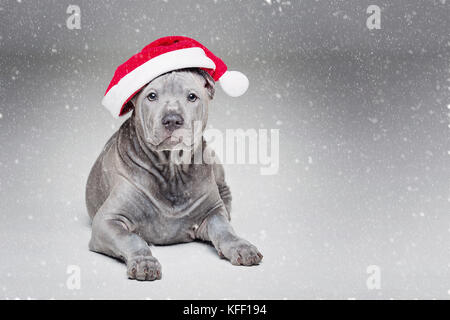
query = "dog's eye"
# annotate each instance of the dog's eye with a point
(152, 96)
(192, 97)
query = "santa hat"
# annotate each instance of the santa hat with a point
(161, 56)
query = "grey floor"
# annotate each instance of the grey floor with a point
(363, 179)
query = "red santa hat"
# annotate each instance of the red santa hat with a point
(161, 56)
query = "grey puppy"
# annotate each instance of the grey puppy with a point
(137, 195)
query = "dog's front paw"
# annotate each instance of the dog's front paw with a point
(144, 268)
(240, 253)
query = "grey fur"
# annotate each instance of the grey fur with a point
(137, 196)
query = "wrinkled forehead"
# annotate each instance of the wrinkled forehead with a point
(176, 82)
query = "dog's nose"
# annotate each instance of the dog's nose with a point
(172, 121)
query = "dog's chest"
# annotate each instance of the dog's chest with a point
(178, 193)
(179, 206)
(180, 184)
(177, 218)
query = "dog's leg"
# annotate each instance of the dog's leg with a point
(112, 234)
(217, 229)
(224, 190)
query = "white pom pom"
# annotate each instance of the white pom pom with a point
(234, 83)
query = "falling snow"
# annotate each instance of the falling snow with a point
(363, 117)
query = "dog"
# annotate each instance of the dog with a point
(138, 196)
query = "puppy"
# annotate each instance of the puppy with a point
(137, 195)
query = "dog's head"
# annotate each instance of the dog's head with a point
(169, 109)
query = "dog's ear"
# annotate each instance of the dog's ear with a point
(210, 84)
(130, 104)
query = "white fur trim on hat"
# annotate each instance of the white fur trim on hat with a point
(183, 58)
(234, 83)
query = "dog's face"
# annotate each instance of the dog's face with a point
(171, 107)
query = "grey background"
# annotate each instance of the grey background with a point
(364, 132)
